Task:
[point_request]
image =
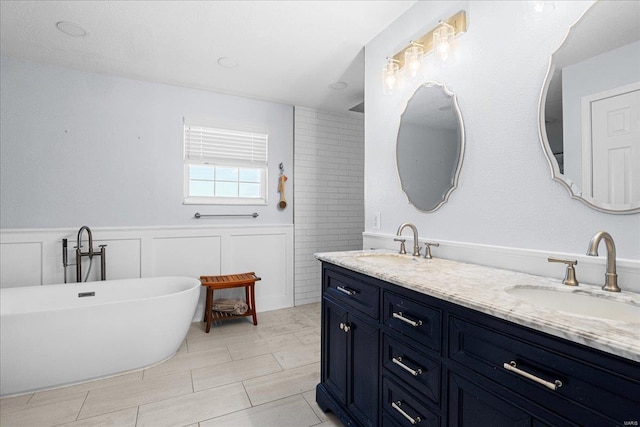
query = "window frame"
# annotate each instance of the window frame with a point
(213, 162)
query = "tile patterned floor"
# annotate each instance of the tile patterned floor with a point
(238, 375)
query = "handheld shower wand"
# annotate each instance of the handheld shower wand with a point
(65, 259)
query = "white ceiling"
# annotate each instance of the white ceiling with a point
(287, 51)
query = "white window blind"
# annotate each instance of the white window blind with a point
(224, 165)
(225, 146)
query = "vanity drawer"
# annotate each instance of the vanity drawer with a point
(404, 405)
(412, 367)
(420, 322)
(611, 388)
(352, 291)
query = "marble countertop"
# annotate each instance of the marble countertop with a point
(485, 289)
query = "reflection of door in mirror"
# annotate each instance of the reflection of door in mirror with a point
(613, 142)
(597, 62)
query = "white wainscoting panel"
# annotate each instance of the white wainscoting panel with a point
(21, 263)
(186, 256)
(269, 256)
(34, 256)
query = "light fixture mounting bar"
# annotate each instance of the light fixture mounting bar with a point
(457, 21)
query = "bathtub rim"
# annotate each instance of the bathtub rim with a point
(27, 309)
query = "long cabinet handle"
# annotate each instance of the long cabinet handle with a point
(396, 406)
(346, 290)
(398, 361)
(413, 323)
(511, 366)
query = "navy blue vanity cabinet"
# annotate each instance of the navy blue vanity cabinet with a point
(474, 402)
(411, 375)
(592, 388)
(422, 361)
(350, 350)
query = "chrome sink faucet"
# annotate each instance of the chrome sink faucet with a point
(416, 247)
(611, 277)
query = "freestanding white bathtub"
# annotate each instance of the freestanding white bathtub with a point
(63, 334)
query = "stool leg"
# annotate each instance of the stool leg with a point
(206, 306)
(251, 291)
(208, 309)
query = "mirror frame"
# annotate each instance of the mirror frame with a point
(458, 166)
(574, 191)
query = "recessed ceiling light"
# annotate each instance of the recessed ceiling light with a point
(227, 62)
(338, 85)
(71, 29)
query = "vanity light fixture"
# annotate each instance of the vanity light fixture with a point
(440, 40)
(444, 38)
(413, 58)
(390, 76)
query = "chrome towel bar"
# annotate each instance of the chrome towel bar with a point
(198, 215)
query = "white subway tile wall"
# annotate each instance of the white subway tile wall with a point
(328, 192)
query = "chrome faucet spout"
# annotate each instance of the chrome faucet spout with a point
(90, 236)
(89, 253)
(416, 246)
(611, 277)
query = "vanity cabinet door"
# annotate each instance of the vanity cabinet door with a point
(334, 362)
(591, 388)
(476, 402)
(350, 362)
(364, 363)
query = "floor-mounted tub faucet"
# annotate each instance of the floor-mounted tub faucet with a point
(416, 247)
(611, 277)
(90, 253)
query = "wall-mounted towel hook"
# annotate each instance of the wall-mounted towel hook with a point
(281, 180)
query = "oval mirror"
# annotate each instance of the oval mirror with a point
(430, 146)
(589, 110)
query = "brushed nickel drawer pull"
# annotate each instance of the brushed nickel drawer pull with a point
(398, 361)
(396, 406)
(345, 327)
(511, 366)
(345, 290)
(413, 323)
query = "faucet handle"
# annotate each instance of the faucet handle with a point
(570, 275)
(427, 249)
(403, 250)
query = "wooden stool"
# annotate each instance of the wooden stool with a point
(244, 280)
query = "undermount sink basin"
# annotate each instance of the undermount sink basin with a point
(389, 259)
(577, 302)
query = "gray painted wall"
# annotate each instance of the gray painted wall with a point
(81, 148)
(506, 196)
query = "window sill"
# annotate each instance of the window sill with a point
(225, 202)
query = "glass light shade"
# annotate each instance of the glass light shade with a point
(444, 37)
(413, 60)
(390, 76)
